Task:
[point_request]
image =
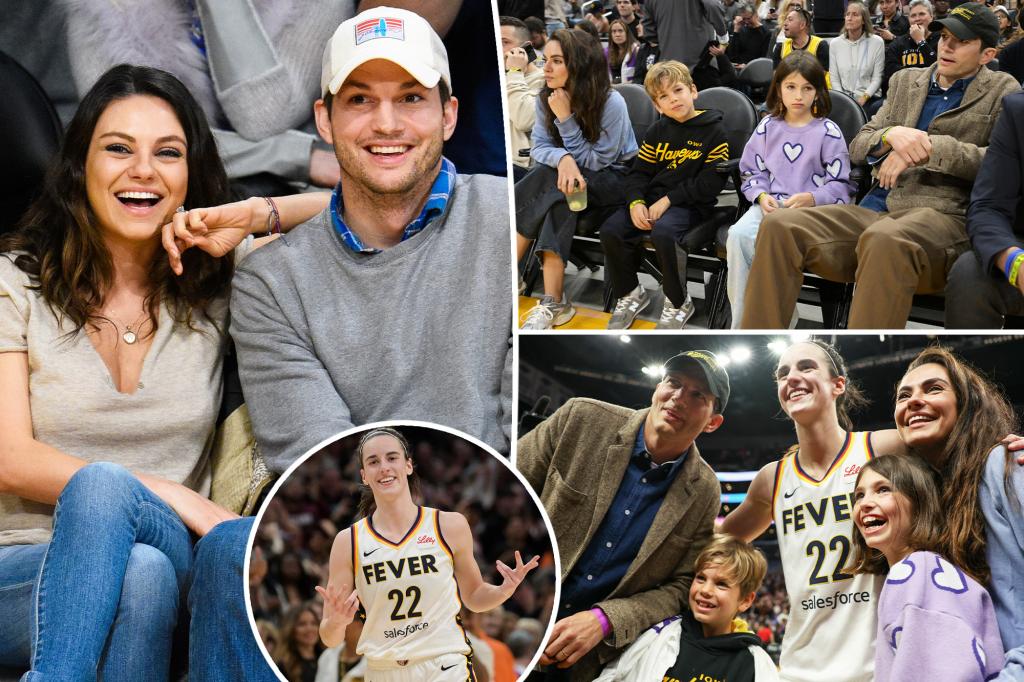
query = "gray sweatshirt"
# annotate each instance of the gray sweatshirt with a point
(328, 338)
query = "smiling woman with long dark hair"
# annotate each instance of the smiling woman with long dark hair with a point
(110, 384)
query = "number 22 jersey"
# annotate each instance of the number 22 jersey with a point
(832, 613)
(408, 591)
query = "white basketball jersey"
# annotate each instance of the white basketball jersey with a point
(832, 613)
(409, 592)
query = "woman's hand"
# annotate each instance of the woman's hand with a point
(340, 604)
(198, 513)
(560, 105)
(570, 178)
(800, 200)
(514, 576)
(217, 230)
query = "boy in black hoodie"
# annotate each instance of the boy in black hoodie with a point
(671, 187)
(708, 642)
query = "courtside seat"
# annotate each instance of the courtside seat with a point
(757, 75)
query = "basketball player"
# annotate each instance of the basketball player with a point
(413, 568)
(808, 493)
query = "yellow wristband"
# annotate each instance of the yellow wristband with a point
(758, 199)
(884, 133)
(637, 201)
(1015, 268)
(513, 69)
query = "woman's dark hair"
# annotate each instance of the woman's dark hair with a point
(367, 505)
(851, 399)
(619, 53)
(286, 654)
(588, 84)
(64, 251)
(808, 66)
(918, 483)
(983, 418)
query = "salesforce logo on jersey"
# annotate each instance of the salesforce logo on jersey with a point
(395, 633)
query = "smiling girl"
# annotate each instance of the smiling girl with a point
(935, 622)
(412, 568)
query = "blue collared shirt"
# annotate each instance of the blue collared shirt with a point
(620, 535)
(440, 192)
(938, 101)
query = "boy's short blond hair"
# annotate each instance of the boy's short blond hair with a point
(663, 75)
(745, 563)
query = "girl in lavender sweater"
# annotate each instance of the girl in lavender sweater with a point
(935, 622)
(796, 158)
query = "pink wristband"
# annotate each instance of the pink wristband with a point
(606, 627)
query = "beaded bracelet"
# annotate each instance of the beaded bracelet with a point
(273, 218)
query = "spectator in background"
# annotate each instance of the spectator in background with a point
(797, 28)
(898, 241)
(554, 17)
(582, 139)
(599, 19)
(1011, 57)
(941, 8)
(629, 17)
(891, 24)
(538, 34)
(918, 48)
(683, 29)
(983, 286)
(299, 645)
(252, 67)
(857, 56)
(1007, 31)
(621, 51)
(749, 38)
(523, 81)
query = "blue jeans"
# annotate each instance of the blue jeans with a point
(103, 596)
(739, 254)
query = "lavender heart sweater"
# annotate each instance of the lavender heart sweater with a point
(782, 161)
(935, 623)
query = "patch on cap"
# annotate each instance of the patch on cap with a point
(706, 357)
(963, 12)
(383, 27)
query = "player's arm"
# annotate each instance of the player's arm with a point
(754, 514)
(340, 599)
(886, 442)
(478, 595)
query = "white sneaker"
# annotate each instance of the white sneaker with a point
(676, 318)
(628, 307)
(548, 313)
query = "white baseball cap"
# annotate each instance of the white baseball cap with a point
(397, 35)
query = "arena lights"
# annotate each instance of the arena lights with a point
(656, 371)
(625, 338)
(797, 337)
(740, 354)
(778, 346)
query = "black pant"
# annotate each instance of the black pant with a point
(543, 214)
(976, 299)
(622, 243)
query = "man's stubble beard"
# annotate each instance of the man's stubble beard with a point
(365, 182)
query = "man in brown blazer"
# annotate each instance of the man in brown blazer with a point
(927, 140)
(631, 503)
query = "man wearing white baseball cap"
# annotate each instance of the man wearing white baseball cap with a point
(395, 301)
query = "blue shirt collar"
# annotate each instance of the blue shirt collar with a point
(959, 84)
(643, 459)
(437, 201)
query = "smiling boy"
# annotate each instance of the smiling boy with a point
(671, 187)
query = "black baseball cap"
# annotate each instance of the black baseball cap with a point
(969, 21)
(717, 377)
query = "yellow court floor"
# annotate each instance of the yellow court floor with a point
(585, 318)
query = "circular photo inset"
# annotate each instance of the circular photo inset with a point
(402, 552)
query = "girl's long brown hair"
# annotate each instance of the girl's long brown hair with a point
(367, 505)
(984, 417)
(808, 66)
(59, 243)
(588, 84)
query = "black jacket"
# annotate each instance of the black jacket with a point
(725, 657)
(995, 216)
(904, 52)
(678, 160)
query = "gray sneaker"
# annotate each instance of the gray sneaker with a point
(628, 307)
(548, 313)
(676, 318)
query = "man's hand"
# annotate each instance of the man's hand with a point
(516, 59)
(737, 23)
(800, 200)
(658, 209)
(716, 51)
(569, 176)
(571, 639)
(324, 170)
(912, 144)
(890, 170)
(560, 105)
(917, 33)
(640, 216)
(1000, 262)
(767, 202)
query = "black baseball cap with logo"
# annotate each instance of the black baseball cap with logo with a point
(707, 362)
(969, 21)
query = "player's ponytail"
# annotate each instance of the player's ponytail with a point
(367, 505)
